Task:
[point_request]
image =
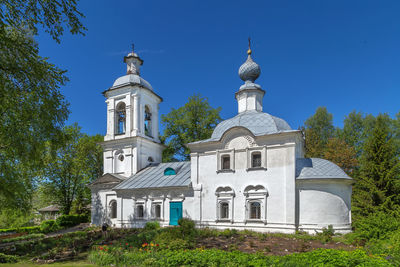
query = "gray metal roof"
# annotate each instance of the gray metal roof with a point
(314, 168)
(50, 208)
(153, 176)
(132, 78)
(259, 123)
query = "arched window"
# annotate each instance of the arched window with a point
(255, 210)
(157, 211)
(169, 171)
(226, 162)
(256, 159)
(113, 209)
(121, 118)
(140, 211)
(225, 195)
(224, 210)
(147, 121)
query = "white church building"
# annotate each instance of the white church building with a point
(251, 174)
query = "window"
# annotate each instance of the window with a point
(121, 118)
(256, 159)
(256, 203)
(169, 171)
(113, 209)
(140, 211)
(147, 121)
(255, 210)
(226, 162)
(157, 211)
(224, 210)
(224, 204)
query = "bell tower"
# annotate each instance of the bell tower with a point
(131, 142)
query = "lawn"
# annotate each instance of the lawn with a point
(62, 264)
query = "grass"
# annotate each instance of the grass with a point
(62, 264)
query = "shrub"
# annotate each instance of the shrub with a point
(378, 225)
(49, 226)
(152, 225)
(187, 228)
(8, 258)
(326, 234)
(29, 230)
(71, 220)
(214, 257)
(24, 237)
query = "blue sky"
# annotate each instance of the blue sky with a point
(344, 55)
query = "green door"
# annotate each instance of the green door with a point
(175, 212)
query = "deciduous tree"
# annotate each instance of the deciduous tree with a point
(32, 108)
(194, 121)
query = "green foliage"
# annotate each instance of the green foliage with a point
(378, 183)
(32, 108)
(4, 258)
(318, 129)
(75, 163)
(23, 237)
(49, 226)
(375, 226)
(12, 218)
(71, 220)
(187, 228)
(152, 226)
(213, 257)
(194, 121)
(28, 229)
(326, 234)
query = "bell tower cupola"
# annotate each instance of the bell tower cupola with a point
(250, 94)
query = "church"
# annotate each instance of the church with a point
(250, 174)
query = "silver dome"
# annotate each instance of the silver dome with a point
(132, 79)
(249, 71)
(259, 123)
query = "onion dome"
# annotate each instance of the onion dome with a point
(249, 71)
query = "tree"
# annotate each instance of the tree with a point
(340, 153)
(318, 129)
(378, 184)
(194, 121)
(74, 164)
(32, 109)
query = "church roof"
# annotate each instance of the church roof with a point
(132, 79)
(315, 168)
(258, 123)
(153, 176)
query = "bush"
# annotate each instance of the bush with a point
(24, 237)
(49, 226)
(214, 257)
(71, 220)
(14, 218)
(326, 234)
(152, 225)
(29, 230)
(187, 228)
(8, 258)
(378, 225)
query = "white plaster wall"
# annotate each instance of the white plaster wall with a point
(100, 210)
(323, 203)
(276, 179)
